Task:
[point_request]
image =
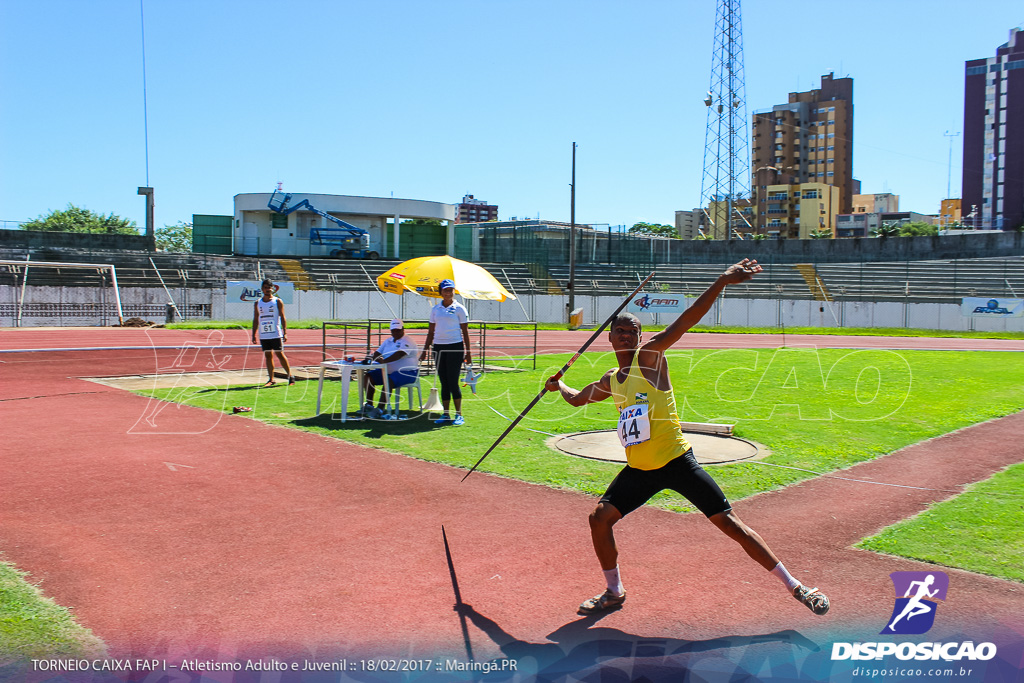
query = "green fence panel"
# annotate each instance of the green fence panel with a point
(211, 234)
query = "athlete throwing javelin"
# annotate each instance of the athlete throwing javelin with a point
(657, 454)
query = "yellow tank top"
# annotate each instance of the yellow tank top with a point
(648, 423)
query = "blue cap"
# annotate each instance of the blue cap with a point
(445, 284)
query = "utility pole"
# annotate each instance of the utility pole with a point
(949, 174)
(150, 228)
(572, 238)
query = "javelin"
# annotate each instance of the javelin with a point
(559, 374)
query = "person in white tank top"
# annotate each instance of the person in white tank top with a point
(269, 323)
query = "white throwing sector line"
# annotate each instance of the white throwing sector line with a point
(173, 466)
(526, 428)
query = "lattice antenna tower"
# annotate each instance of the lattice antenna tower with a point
(726, 140)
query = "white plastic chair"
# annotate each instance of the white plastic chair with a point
(396, 396)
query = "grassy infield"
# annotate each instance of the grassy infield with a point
(817, 410)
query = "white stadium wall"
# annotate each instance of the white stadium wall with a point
(70, 306)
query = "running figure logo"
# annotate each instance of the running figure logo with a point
(916, 595)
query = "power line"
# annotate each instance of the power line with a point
(145, 112)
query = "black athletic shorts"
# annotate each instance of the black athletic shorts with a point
(271, 344)
(631, 488)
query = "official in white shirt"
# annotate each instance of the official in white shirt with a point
(448, 334)
(401, 356)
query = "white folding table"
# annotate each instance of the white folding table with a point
(346, 371)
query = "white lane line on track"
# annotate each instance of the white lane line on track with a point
(151, 348)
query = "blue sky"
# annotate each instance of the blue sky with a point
(436, 99)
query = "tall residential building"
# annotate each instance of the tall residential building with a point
(807, 140)
(472, 210)
(690, 223)
(993, 180)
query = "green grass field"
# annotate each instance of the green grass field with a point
(33, 627)
(979, 531)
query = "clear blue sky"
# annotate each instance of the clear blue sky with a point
(436, 99)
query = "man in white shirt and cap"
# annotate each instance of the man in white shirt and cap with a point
(401, 356)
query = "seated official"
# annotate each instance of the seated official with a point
(402, 359)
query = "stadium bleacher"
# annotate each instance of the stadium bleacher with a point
(134, 269)
(346, 275)
(935, 281)
(914, 281)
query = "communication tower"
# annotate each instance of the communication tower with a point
(725, 185)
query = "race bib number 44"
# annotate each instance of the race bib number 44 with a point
(635, 425)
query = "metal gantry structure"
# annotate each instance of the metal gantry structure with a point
(726, 178)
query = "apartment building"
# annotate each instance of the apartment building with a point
(690, 223)
(862, 224)
(795, 210)
(473, 210)
(807, 140)
(993, 176)
(949, 212)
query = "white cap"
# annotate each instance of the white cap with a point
(396, 324)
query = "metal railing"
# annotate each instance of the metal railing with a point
(493, 343)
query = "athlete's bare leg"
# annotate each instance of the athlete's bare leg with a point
(749, 540)
(284, 363)
(269, 358)
(602, 519)
(910, 611)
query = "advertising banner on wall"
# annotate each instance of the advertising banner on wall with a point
(657, 303)
(249, 290)
(979, 307)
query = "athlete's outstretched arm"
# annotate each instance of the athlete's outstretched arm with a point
(284, 321)
(592, 393)
(255, 320)
(734, 274)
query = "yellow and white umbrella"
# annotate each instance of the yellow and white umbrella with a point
(422, 275)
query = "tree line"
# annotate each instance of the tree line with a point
(176, 237)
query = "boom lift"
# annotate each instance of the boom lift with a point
(352, 242)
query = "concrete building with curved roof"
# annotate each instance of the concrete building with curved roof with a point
(257, 230)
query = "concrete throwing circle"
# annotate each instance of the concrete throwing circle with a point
(709, 449)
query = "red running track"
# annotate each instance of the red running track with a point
(510, 341)
(183, 532)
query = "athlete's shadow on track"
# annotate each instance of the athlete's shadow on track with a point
(609, 654)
